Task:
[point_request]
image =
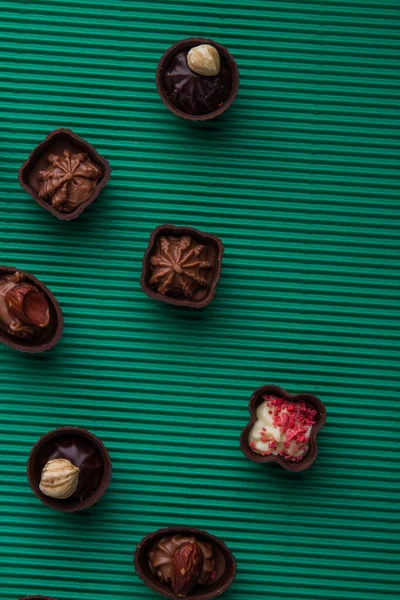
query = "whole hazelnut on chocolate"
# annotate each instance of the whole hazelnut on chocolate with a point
(69, 469)
(197, 79)
(59, 478)
(30, 316)
(204, 60)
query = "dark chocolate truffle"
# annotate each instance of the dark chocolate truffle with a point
(69, 469)
(185, 562)
(30, 316)
(196, 91)
(64, 174)
(182, 266)
(283, 428)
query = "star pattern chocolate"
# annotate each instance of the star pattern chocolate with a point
(69, 181)
(178, 266)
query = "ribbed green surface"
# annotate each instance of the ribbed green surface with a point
(301, 181)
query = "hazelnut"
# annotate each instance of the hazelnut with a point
(59, 479)
(204, 60)
(187, 564)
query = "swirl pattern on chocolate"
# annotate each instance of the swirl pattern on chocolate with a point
(160, 557)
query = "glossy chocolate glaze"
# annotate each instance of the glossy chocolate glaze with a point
(9, 323)
(160, 558)
(192, 93)
(82, 454)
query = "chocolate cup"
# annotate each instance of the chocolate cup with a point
(188, 44)
(55, 327)
(256, 399)
(203, 238)
(203, 592)
(57, 140)
(34, 469)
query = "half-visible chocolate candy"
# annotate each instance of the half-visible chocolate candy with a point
(30, 316)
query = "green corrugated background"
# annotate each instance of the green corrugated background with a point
(301, 181)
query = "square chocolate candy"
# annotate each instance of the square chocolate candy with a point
(182, 266)
(64, 174)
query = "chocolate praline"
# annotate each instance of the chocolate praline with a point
(225, 564)
(27, 336)
(64, 174)
(84, 450)
(182, 266)
(320, 418)
(192, 96)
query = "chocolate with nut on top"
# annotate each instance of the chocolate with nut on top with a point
(183, 562)
(182, 266)
(179, 562)
(83, 455)
(192, 92)
(197, 79)
(30, 316)
(69, 469)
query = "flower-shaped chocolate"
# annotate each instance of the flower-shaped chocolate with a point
(69, 181)
(182, 266)
(177, 267)
(64, 174)
(283, 428)
(183, 562)
(30, 316)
